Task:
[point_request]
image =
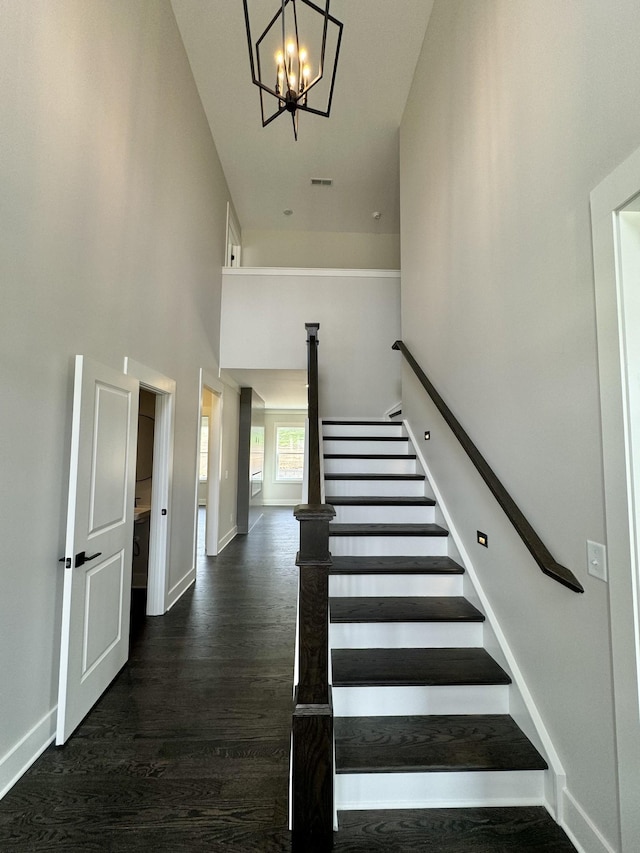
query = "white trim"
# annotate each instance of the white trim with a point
(179, 589)
(555, 776)
(26, 751)
(208, 379)
(160, 525)
(229, 536)
(311, 272)
(397, 407)
(582, 832)
(608, 199)
(286, 424)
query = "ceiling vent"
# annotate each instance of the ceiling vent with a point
(321, 182)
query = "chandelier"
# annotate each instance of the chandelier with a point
(289, 60)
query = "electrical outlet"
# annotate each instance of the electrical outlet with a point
(597, 560)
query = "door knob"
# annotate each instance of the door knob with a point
(81, 558)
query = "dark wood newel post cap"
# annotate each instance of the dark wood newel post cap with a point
(314, 533)
(314, 512)
(312, 330)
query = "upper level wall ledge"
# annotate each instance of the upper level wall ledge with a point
(311, 271)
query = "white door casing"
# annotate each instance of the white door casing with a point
(617, 274)
(98, 551)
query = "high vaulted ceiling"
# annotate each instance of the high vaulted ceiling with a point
(357, 146)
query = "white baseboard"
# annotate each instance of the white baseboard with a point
(582, 832)
(177, 591)
(28, 749)
(228, 537)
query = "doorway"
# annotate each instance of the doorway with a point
(207, 511)
(142, 509)
(153, 490)
(615, 213)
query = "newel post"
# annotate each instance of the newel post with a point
(312, 821)
(312, 724)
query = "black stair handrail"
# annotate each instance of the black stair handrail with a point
(535, 545)
(313, 443)
(312, 724)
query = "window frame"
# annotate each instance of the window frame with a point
(276, 467)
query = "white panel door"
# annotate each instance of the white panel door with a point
(98, 552)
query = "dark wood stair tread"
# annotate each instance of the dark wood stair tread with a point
(387, 530)
(427, 565)
(354, 476)
(367, 437)
(436, 743)
(507, 829)
(378, 500)
(448, 608)
(412, 667)
(359, 423)
(385, 456)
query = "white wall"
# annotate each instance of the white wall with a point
(518, 109)
(324, 249)
(229, 468)
(263, 317)
(279, 493)
(112, 241)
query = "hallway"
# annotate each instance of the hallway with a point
(188, 749)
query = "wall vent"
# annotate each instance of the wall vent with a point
(321, 182)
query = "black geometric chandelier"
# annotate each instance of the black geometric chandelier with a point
(296, 53)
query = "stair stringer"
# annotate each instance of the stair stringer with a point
(523, 708)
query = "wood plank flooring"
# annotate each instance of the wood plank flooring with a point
(188, 749)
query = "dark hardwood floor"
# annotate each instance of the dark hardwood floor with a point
(188, 749)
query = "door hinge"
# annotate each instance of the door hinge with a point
(164, 512)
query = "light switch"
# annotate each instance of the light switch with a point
(597, 560)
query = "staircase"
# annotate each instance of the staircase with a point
(421, 709)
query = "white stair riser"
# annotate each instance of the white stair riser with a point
(388, 546)
(384, 428)
(405, 635)
(354, 586)
(397, 465)
(388, 488)
(410, 701)
(363, 445)
(439, 790)
(385, 514)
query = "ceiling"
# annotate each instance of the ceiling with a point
(280, 389)
(357, 146)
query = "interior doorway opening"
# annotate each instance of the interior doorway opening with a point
(154, 472)
(208, 464)
(142, 509)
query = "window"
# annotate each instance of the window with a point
(289, 453)
(204, 447)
